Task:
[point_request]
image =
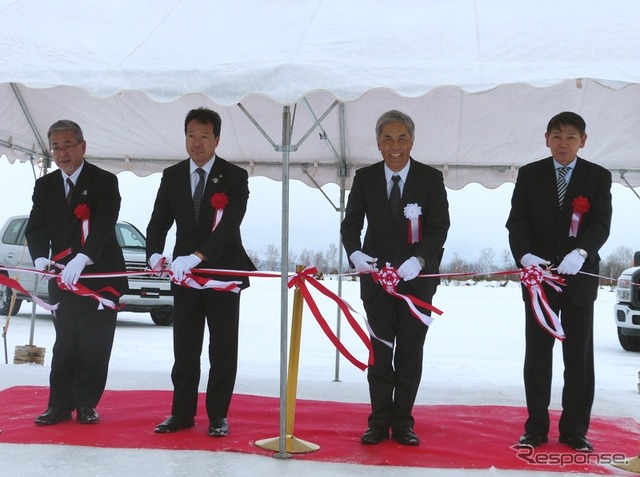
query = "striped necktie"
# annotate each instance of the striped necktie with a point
(562, 183)
(70, 192)
(197, 194)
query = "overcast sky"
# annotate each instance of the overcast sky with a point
(477, 214)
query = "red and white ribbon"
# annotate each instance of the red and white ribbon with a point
(581, 206)
(576, 218)
(15, 284)
(388, 277)
(81, 290)
(83, 213)
(192, 280)
(219, 201)
(532, 278)
(412, 212)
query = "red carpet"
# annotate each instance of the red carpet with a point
(464, 437)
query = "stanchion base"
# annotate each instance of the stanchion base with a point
(292, 445)
(28, 354)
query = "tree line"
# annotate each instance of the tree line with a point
(487, 262)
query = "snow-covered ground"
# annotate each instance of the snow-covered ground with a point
(473, 355)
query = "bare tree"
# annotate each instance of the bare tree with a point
(272, 260)
(614, 264)
(306, 257)
(456, 265)
(485, 263)
(293, 261)
(254, 257)
(320, 262)
(331, 258)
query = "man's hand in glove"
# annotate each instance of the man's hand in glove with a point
(530, 260)
(183, 265)
(571, 263)
(363, 262)
(72, 270)
(410, 269)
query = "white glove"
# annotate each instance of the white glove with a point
(363, 262)
(42, 263)
(155, 259)
(571, 263)
(72, 270)
(183, 265)
(531, 260)
(410, 269)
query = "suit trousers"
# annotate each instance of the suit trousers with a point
(395, 375)
(579, 376)
(220, 311)
(81, 353)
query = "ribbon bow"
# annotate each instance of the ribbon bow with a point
(388, 278)
(531, 278)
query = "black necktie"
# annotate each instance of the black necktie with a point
(562, 183)
(70, 192)
(394, 197)
(197, 194)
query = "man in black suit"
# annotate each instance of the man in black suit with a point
(187, 196)
(395, 376)
(547, 194)
(84, 333)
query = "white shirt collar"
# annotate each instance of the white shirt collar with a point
(207, 167)
(74, 176)
(571, 165)
(388, 173)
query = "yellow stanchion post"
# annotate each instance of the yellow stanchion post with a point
(293, 445)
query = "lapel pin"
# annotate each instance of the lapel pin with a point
(215, 180)
(84, 192)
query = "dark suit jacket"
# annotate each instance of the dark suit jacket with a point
(53, 226)
(386, 240)
(537, 225)
(222, 247)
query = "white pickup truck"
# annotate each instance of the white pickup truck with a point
(146, 294)
(627, 308)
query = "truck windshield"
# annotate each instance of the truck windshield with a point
(129, 237)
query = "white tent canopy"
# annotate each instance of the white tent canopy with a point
(480, 78)
(300, 84)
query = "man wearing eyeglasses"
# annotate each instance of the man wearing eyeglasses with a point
(71, 228)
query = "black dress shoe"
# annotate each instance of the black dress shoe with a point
(532, 440)
(88, 415)
(577, 443)
(174, 424)
(374, 435)
(219, 427)
(406, 437)
(52, 416)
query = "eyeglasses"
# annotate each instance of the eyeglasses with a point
(58, 149)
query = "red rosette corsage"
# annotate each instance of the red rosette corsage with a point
(581, 204)
(82, 212)
(219, 200)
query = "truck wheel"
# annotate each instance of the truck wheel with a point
(629, 343)
(163, 317)
(5, 301)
